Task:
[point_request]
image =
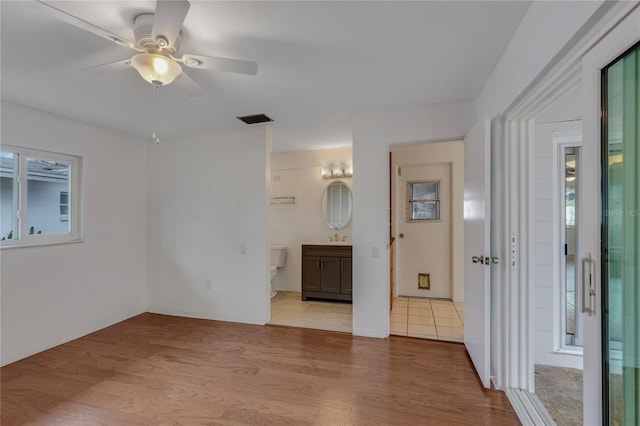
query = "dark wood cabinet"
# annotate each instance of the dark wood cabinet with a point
(326, 272)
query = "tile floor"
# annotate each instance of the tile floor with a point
(414, 317)
(287, 308)
(428, 318)
(560, 391)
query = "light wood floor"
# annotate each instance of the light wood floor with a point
(162, 370)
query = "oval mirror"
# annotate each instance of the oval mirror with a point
(336, 205)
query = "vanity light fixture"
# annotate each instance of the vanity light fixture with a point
(337, 172)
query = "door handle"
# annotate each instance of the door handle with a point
(401, 235)
(485, 260)
(588, 289)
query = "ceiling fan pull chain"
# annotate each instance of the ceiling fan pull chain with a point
(156, 107)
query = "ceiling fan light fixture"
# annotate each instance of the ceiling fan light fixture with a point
(156, 68)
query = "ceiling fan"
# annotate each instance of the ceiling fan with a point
(157, 41)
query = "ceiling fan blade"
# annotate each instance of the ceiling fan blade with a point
(84, 25)
(188, 86)
(168, 19)
(220, 64)
(111, 66)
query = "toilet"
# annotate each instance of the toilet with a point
(278, 259)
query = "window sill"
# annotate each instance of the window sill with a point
(23, 244)
(574, 352)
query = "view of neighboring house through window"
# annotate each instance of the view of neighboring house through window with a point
(7, 195)
(64, 206)
(38, 197)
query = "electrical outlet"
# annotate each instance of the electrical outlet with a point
(208, 285)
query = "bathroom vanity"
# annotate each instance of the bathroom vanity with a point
(326, 271)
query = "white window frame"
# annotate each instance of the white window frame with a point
(411, 200)
(562, 140)
(22, 237)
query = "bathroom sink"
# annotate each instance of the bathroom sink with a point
(327, 243)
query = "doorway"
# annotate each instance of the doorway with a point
(426, 203)
(605, 118)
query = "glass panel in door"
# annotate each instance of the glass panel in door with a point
(621, 240)
(571, 289)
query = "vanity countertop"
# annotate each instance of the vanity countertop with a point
(327, 243)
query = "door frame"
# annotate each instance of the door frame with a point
(564, 72)
(617, 41)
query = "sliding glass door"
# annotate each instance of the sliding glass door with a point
(621, 239)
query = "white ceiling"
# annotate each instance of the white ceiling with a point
(319, 63)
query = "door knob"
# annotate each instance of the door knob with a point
(477, 259)
(401, 235)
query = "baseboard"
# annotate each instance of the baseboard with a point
(208, 316)
(97, 325)
(369, 332)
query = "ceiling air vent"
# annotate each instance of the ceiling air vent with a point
(255, 119)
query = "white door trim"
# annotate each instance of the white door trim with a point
(565, 72)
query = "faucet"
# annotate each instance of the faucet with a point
(344, 238)
(336, 238)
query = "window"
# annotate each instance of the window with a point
(423, 201)
(39, 197)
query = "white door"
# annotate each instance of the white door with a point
(423, 231)
(477, 242)
(617, 41)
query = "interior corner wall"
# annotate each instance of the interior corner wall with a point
(56, 293)
(451, 153)
(208, 234)
(373, 134)
(298, 174)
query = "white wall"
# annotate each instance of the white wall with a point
(451, 153)
(297, 174)
(208, 224)
(373, 134)
(56, 293)
(546, 263)
(531, 51)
